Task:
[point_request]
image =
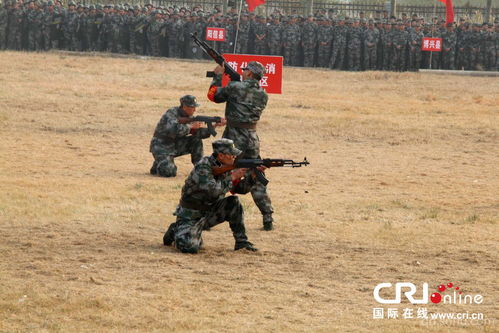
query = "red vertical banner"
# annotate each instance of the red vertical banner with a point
(449, 10)
(271, 81)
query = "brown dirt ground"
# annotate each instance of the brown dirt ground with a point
(403, 186)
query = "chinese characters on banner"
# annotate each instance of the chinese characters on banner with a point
(216, 34)
(431, 44)
(271, 81)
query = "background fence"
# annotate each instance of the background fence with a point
(304, 7)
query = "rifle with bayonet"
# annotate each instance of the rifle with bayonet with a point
(219, 59)
(205, 119)
(254, 164)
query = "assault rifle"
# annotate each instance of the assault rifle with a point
(205, 119)
(219, 59)
(255, 163)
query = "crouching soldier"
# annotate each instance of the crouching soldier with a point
(175, 136)
(203, 203)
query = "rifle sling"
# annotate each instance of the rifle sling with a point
(238, 124)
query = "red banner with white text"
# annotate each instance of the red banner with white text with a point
(271, 81)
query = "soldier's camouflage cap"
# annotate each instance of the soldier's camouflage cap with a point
(189, 100)
(256, 68)
(225, 146)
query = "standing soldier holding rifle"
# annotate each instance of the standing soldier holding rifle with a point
(246, 101)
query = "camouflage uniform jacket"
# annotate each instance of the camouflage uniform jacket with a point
(274, 34)
(371, 38)
(449, 40)
(203, 189)
(309, 34)
(169, 129)
(246, 100)
(324, 34)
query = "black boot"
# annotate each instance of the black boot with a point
(169, 236)
(268, 222)
(245, 245)
(154, 169)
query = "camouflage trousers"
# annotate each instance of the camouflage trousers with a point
(415, 56)
(489, 58)
(308, 55)
(190, 223)
(323, 55)
(260, 47)
(448, 59)
(174, 49)
(248, 142)
(165, 152)
(275, 49)
(337, 56)
(34, 38)
(290, 54)
(3, 38)
(370, 58)
(398, 58)
(354, 54)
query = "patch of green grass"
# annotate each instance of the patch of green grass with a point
(431, 213)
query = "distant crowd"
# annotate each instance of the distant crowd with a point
(320, 40)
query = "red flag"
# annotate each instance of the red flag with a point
(449, 11)
(252, 4)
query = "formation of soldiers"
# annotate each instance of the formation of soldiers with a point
(321, 40)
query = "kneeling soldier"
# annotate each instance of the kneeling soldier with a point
(173, 138)
(203, 203)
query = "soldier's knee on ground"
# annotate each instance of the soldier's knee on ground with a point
(187, 246)
(166, 168)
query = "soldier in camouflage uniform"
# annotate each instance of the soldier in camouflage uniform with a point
(354, 46)
(415, 41)
(371, 36)
(339, 45)
(309, 41)
(400, 40)
(291, 39)
(274, 37)
(33, 16)
(474, 44)
(243, 35)
(449, 41)
(154, 30)
(324, 39)
(489, 48)
(70, 28)
(246, 101)
(172, 138)
(175, 35)
(387, 46)
(203, 203)
(260, 31)
(3, 25)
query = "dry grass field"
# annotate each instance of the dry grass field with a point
(403, 186)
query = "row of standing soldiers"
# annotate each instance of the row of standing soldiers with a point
(339, 43)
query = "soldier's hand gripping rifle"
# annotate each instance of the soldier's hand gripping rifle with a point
(255, 163)
(205, 119)
(219, 59)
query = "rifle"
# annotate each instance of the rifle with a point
(205, 119)
(255, 163)
(219, 59)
